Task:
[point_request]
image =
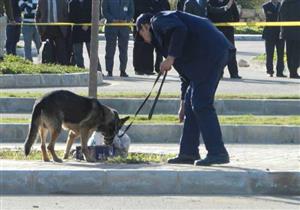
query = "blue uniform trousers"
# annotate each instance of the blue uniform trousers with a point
(114, 35)
(200, 114)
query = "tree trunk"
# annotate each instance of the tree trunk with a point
(94, 50)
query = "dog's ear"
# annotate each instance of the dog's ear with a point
(123, 120)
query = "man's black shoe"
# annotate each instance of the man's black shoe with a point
(150, 73)
(213, 159)
(183, 159)
(123, 74)
(138, 73)
(235, 77)
(280, 75)
(294, 76)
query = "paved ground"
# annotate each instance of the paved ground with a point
(147, 202)
(254, 79)
(244, 157)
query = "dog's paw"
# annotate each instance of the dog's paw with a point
(57, 160)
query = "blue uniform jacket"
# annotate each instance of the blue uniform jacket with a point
(118, 10)
(194, 41)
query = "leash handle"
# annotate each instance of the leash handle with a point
(157, 96)
(141, 106)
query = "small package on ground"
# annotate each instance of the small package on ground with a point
(100, 151)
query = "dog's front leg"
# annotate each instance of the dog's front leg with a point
(84, 134)
(71, 137)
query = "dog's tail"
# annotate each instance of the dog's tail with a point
(34, 127)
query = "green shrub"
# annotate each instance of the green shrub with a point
(17, 65)
(248, 30)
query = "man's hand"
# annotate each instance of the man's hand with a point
(85, 28)
(166, 65)
(181, 112)
(12, 22)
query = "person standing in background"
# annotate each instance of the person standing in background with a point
(13, 31)
(196, 7)
(158, 6)
(5, 8)
(180, 5)
(30, 32)
(230, 13)
(80, 12)
(271, 35)
(143, 52)
(290, 11)
(53, 11)
(117, 11)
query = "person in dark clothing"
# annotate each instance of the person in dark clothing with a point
(115, 11)
(30, 32)
(53, 11)
(180, 5)
(271, 35)
(289, 11)
(196, 7)
(142, 52)
(158, 6)
(199, 52)
(80, 12)
(13, 31)
(230, 14)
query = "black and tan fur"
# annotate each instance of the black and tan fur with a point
(80, 115)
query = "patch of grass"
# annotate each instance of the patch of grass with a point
(17, 65)
(171, 95)
(262, 57)
(132, 158)
(224, 119)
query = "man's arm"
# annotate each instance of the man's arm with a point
(188, 7)
(235, 12)
(130, 13)
(184, 85)
(106, 13)
(8, 9)
(219, 10)
(38, 12)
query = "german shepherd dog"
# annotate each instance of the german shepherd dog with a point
(80, 115)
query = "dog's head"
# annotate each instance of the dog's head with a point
(112, 126)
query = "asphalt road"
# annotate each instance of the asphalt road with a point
(147, 202)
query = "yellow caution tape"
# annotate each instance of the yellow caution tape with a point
(259, 24)
(234, 24)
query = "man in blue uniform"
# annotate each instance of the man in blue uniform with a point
(272, 39)
(199, 52)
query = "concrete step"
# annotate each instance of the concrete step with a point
(253, 170)
(164, 133)
(170, 106)
(46, 80)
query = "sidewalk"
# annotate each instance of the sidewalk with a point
(254, 169)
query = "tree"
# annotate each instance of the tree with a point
(94, 49)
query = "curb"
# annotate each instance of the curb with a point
(136, 179)
(45, 80)
(171, 106)
(162, 133)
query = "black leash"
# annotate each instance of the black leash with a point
(144, 102)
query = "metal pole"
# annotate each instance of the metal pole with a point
(94, 49)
